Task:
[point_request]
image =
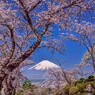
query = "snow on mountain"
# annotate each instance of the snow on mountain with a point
(44, 65)
(39, 70)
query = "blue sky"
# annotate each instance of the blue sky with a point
(72, 55)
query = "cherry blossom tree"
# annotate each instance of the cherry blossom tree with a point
(81, 72)
(26, 25)
(87, 56)
(58, 78)
(85, 35)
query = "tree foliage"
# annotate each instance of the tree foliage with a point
(26, 25)
(79, 87)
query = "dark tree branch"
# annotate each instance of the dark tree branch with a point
(13, 47)
(33, 7)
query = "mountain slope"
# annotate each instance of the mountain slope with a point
(45, 65)
(39, 70)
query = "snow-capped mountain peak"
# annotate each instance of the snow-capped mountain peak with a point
(44, 65)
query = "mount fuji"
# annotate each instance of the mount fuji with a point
(39, 70)
(44, 65)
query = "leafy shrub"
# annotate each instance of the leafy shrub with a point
(81, 88)
(73, 90)
(66, 89)
(90, 78)
(27, 89)
(28, 86)
(75, 83)
(79, 81)
(86, 84)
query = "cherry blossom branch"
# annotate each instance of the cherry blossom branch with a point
(33, 7)
(13, 47)
(45, 29)
(29, 19)
(70, 5)
(90, 51)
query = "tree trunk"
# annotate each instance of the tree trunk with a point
(13, 66)
(1, 82)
